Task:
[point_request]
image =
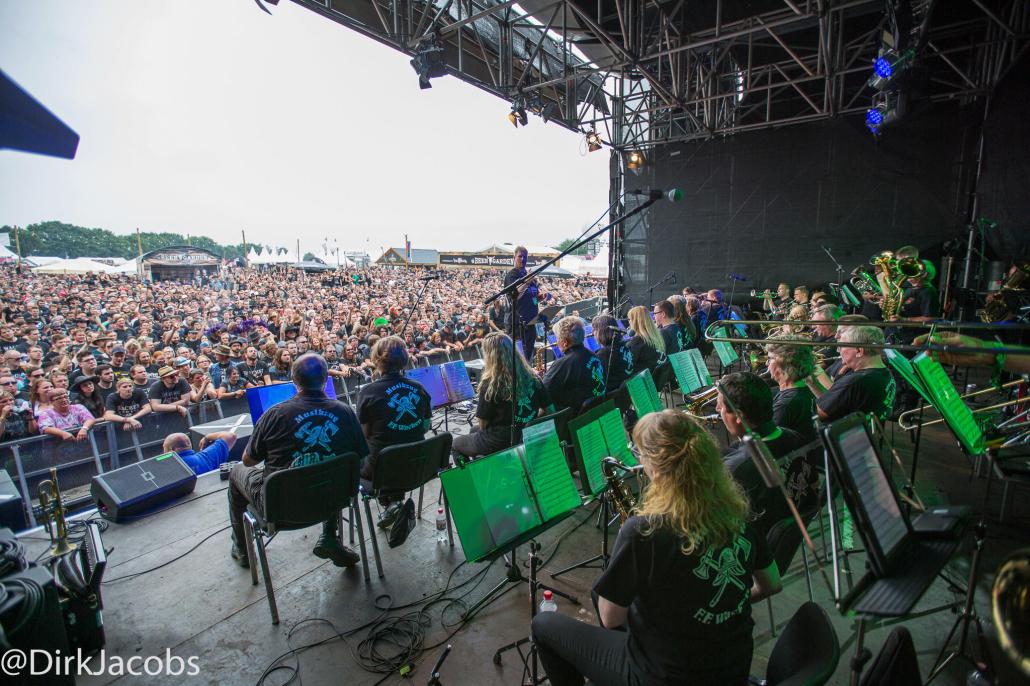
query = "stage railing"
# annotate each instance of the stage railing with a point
(108, 446)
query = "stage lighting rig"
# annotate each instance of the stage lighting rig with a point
(888, 68)
(886, 109)
(518, 112)
(636, 161)
(593, 141)
(428, 62)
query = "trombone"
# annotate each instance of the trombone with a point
(904, 419)
(717, 332)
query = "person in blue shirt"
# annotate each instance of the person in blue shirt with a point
(214, 450)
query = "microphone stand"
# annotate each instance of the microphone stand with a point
(418, 298)
(511, 290)
(840, 274)
(650, 289)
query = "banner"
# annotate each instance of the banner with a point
(483, 260)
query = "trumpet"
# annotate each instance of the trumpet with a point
(697, 401)
(767, 293)
(904, 419)
(53, 511)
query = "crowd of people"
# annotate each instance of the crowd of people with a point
(121, 348)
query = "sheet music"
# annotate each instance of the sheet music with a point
(727, 355)
(686, 374)
(431, 379)
(615, 437)
(593, 448)
(549, 474)
(643, 394)
(456, 378)
(902, 366)
(700, 367)
(956, 413)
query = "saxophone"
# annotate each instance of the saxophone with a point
(622, 498)
(538, 362)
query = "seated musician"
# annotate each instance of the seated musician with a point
(577, 375)
(308, 428)
(392, 410)
(794, 404)
(647, 344)
(867, 385)
(753, 399)
(683, 575)
(494, 408)
(672, 332)
(614, 354)
(778, 307)
(688, 332)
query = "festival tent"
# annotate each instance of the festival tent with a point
(40, 260)
(6, 254)
(78, 265)
(129, 267)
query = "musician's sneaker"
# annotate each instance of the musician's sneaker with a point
(388, 516)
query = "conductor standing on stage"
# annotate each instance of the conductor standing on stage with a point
(526, 305)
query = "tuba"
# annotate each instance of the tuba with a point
(865, 282)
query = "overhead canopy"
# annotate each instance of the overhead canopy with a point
(79, 265)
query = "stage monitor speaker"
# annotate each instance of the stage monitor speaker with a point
(41, 632)
(133, 490)
(12, 506)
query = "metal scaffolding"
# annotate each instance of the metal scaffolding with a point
(648, 72)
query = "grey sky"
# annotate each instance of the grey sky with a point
(209, 116)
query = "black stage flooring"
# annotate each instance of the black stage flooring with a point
(194, 601)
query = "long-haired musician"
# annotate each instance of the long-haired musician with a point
(683, 574)
(494, 409)
(647, 344)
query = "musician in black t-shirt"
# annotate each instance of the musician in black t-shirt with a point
(794, 404)
(493, 411)
(306, 429)
(681, 584)
(647, 344)
(752, 398)
(615, 355)
(867, 387)
(577, 375)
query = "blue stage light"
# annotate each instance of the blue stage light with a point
(882, 68)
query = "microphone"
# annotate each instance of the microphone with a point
(429, 277)
(673, 194)
(736, 277)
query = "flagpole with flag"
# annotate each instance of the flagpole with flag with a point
(407, 251)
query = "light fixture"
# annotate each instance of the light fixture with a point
(636, 161)
(888, 66)
(593, 141)
(886, 109)
(518, 112)
(428, 63)
(549, 111)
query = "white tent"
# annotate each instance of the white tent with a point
(129, 267)
(40, 260)
(6, 254)
(79, 265)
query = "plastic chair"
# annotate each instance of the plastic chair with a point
(298, 498)
(806, 654)
(405, 467)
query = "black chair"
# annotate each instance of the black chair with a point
(896, 664)
(591, 403)
(806, 654)
(784, 539)
(298, 498)
(561, 424)
(405, 467)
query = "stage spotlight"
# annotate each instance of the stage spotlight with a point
(636, 160)
(593, 141)
(884, 111)
(888, 67)
(548, 112)
(428, 63)
(518, 113)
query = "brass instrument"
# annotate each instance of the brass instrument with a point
(1010, 609)
(997, 307)
(538, 361)
(53, 513)
(697, 401)
(905, 417)
(767, 293)
(865, 282)
(895, 269)
(623, 500)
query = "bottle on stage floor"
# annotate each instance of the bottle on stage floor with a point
(548, 604)
(441, 525)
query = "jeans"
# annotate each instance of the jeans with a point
(245, 485)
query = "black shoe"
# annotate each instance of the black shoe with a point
(240, 557)
(388, 516)
(404, 525)
(330, 548)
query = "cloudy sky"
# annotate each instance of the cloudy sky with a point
(209, 117)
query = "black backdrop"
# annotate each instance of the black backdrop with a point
(761, 204)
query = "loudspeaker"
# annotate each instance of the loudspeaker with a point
(133, 490)
(34, 593)
(12, 507)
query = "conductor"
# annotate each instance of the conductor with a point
(526, 305)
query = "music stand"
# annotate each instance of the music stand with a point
(447, 384)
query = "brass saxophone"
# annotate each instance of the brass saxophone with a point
(538, 361)
(622, 498)
(53, 511)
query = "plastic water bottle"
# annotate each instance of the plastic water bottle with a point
(548, 604)
(441, 525)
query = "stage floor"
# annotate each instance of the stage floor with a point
(203, 605)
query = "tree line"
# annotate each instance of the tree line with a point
(67, 240)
